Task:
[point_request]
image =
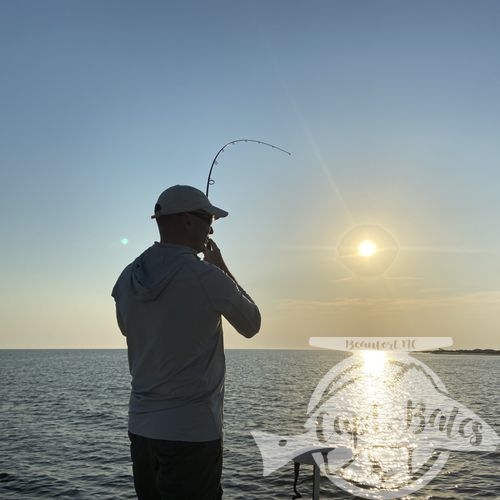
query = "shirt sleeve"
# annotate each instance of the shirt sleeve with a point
(230, 300)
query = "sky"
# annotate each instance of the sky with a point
(391, 111)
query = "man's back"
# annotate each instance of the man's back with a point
(169, 306)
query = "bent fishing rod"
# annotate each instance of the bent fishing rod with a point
(210, 181)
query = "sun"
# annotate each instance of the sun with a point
(366, 248)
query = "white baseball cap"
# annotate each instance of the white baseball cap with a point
(178, 199)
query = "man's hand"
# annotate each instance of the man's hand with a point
(213, 255)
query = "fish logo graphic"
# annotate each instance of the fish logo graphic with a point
(389, 422)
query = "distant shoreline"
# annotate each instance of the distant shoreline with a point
(490, 352)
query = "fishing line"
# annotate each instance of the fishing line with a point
(210, 181)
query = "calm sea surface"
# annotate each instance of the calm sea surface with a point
(63, 423)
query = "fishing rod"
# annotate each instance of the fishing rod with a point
(210, 181)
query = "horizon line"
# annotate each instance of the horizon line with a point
(225, 349)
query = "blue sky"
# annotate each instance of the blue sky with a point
(391, 111)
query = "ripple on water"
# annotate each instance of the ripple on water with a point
(63, 416)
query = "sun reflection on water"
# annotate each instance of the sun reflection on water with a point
(373, 362)
(367, 411)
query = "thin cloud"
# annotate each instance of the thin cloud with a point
(487, 298)
(446, 250)
(383, 278)
(409, 249)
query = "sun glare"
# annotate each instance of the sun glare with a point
(366, 248)
(373, 362)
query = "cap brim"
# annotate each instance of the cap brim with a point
(217, 212)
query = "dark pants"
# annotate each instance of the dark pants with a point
(176, 470)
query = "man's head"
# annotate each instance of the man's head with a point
(185, 215)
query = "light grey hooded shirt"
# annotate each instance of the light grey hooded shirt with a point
(169, 305)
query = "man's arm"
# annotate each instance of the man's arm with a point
(228, 297)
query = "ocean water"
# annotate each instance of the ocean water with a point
(63, 423)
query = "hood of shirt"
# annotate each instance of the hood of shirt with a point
(153, 270)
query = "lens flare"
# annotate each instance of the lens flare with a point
(124, 241)
(367, 250)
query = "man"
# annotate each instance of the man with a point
(169, 305)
